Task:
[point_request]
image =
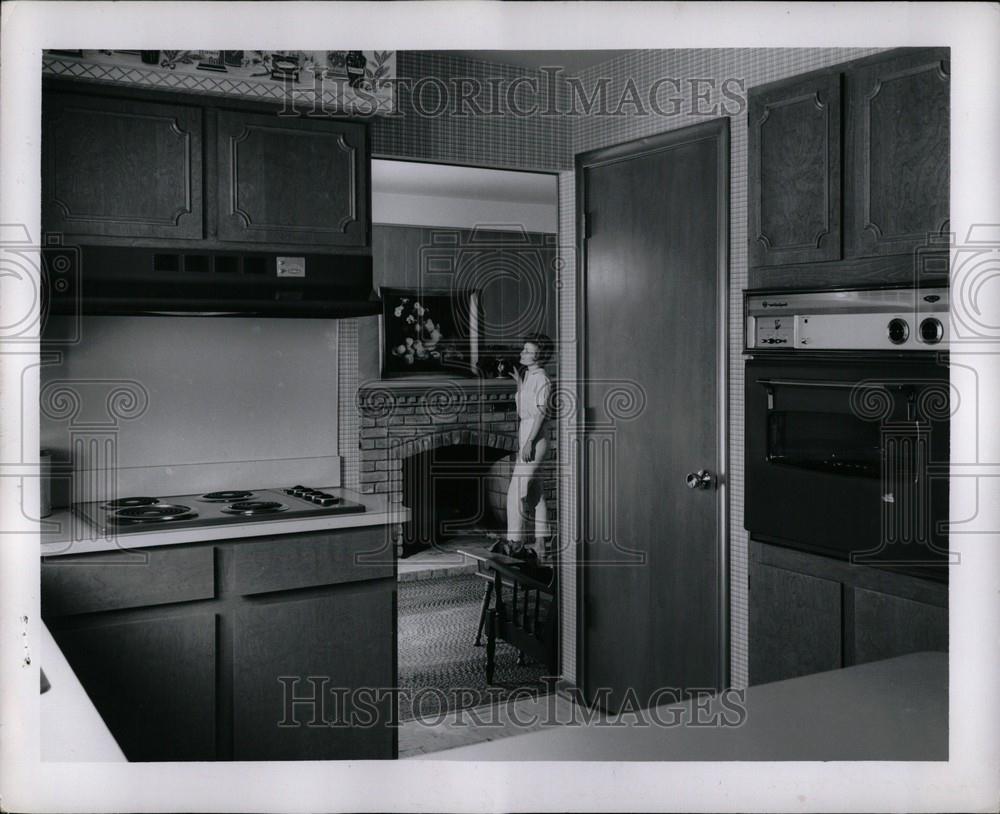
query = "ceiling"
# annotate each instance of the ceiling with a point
(573, 62)
(447, 181)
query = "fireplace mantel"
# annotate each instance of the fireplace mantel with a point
(424, 384)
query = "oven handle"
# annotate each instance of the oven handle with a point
(770, 384)
(808, 383)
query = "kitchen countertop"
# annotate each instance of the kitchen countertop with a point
(65, 533)
(895, 709)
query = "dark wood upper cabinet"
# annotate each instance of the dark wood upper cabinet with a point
(849, 171)
(122, 168)
(292, 180)
(794, 160)
(898, 147)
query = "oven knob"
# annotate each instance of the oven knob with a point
(931, 330)
(899, 331)
(326, 500)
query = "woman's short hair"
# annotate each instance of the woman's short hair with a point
(544, 345)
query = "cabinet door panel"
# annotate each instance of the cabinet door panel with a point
(886, 626)
(795, 624)
(898, 151)
(121, 168)
(152, 681)
(330, 648)
(794, 162)
(285, 180)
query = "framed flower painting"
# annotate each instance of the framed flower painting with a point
(429, 332)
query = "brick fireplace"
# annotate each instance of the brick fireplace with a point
(402, 421)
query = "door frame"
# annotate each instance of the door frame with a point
(718, 130)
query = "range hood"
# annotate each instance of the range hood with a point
(124, 280)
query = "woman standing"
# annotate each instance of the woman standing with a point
(527, 487)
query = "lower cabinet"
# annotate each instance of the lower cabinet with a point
(279, 648)
(794, 623)
(810, 613)
(886, 626)
(152, 681)
(310, 681)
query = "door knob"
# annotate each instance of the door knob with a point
(701, 479)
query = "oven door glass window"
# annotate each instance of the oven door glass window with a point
(838, 443)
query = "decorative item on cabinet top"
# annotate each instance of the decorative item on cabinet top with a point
(359, 83)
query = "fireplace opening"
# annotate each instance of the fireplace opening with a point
(453, 491)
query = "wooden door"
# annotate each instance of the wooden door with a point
(794, 163)
(292, 181)
(652, 324)
(121, 168)
(897, 153)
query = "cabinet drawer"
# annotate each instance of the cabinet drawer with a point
(114, 581)
(309, 560)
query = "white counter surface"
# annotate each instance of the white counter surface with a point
(65, 533)
(895, 709)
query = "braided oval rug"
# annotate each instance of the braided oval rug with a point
(440, 669)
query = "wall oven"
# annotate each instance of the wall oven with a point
(847, 425)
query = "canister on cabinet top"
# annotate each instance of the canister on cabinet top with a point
(44, 483)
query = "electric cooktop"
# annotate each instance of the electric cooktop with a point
(133, 514)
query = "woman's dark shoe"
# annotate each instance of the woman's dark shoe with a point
(525, 553)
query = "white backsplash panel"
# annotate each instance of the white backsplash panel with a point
(177, 404)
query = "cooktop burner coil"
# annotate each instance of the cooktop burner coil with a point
(252, 508)
(231, 496)
(131, 502)
(157, 513)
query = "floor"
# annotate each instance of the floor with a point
(441, 559)
(481, 724)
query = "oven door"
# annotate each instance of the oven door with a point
(849, 459)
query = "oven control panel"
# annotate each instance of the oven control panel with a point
(773, 332)
(882, 319)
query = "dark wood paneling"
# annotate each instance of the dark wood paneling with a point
(291, 180)
(652, 573)
(343, 641)
(794, 162)
(122, 168)
(898, 153)
(104, 582)
(152, 681)
(795, 624)
(313, 559)
(887, 626)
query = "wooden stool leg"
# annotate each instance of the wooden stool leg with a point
(482, 614)
(491, 644)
